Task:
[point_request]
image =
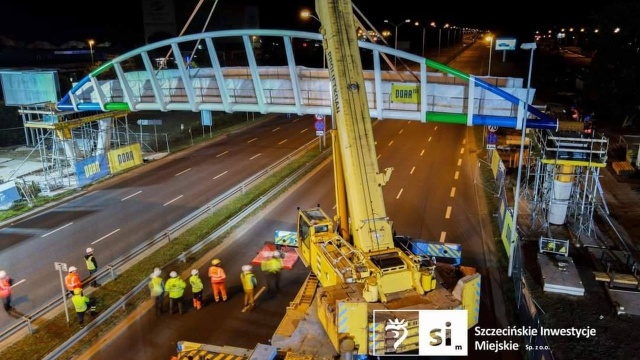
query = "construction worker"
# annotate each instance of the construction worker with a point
(82, 303)
(196, 288)
(5, 291)
(92, 265)
(72, 280)
(156, 287)
(271, 268)
(249, 283)
(218, 279)
(175, 286)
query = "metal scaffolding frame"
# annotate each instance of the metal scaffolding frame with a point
(574, 157)
(64, 137)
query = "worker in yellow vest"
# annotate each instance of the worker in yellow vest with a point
(249, 283)
(82, 303)
(196, 288)
(92, 265)
(156, 288)
(271, 268)
(175, 286)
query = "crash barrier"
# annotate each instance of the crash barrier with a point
(110, 271)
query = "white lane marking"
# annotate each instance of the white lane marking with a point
(282, 142)
(217, 176)
(224, 153)
(182, 172)
(252, 140)
(276, 129)
(421, 152)
(390, 143)
(167, 203)
(443, 236)
(400, 132)
(429, 139)
(400, 193)
(448, 214)
(378, 157)
(459, 162)
(462, 151)
(255, 156)
(412, 169)
(453, 192)
(464, 141)
(130, 196)
(18, 283)
(60, 228)
(303, 131)
(104, 237)
(255, 297)
(457, 175)
(436, 128)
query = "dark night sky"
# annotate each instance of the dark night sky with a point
(60, 21)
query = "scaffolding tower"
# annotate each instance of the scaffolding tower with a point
(64, 138)
(563, 173)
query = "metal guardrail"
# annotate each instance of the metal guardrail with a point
(183, 224)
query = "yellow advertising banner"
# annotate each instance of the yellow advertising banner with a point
(403, 93)
(495, 162)
(124, 157)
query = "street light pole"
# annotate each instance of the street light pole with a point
(424, 29)
(91, 50)
(305, 14)
(514, 229)
(395, 58)
(490, 38)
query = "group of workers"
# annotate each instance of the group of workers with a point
(81, 302)
(175, 286)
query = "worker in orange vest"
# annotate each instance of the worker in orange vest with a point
(218, 278)
(72, 280)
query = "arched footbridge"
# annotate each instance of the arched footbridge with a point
(267, 71)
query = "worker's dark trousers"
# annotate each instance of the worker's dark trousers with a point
(174, 301)
(273, 282)
(158, 304)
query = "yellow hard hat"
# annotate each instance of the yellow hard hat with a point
(77, 291)
(215, 262)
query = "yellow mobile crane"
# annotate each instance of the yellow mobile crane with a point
(358, 266)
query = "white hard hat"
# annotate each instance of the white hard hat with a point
(194, 272)
(173, 274)
(268, 253)
(246, 267)
(73, 268)
(275, 254)
(157, 272)
(89, 250)
(3, 274)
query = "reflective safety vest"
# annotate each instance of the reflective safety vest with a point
(72, 281)
(272, 265)
(80, 302)
(91, 262)
(217, 274)
(176, 287)
(196, 283)
(5, 287)
(248, 280)
(156, 286)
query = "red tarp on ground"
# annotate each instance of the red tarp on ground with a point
(290, 256)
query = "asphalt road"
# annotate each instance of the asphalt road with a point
(164, 194)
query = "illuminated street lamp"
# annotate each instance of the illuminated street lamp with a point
(305, 14)
(396, 36)
(490, 40)
(91, 42)
(424, 31)
(446, 26)
(514, 237)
